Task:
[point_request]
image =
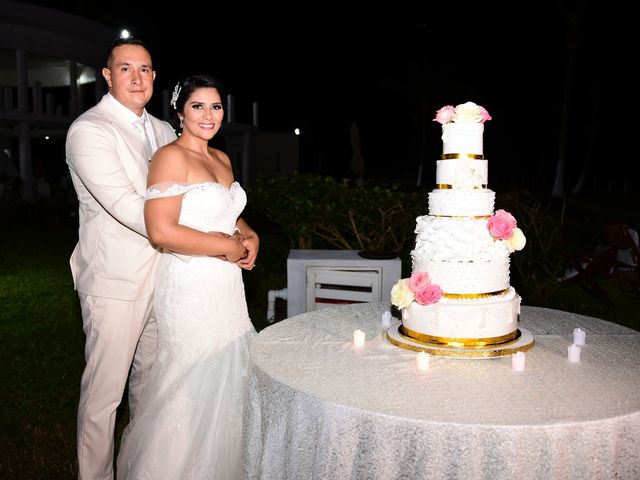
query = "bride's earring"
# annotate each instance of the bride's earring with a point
(180, 122)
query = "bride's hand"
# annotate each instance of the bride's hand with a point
(237, 249)
(252, 244)
(243, 240)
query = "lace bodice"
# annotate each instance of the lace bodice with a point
(206, 206)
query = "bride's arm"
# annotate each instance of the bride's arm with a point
(162, 213)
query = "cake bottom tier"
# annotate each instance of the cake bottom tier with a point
(465, 322)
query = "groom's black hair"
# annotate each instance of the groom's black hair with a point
(118, 42)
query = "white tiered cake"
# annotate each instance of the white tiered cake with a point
(459, 293)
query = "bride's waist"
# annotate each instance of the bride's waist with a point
(186, 260)
(209, 225)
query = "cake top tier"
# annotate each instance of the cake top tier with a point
(462, 129)
(462, 140)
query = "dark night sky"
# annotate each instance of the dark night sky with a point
(319, 68)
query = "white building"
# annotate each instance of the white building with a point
(49, 63)
(50, 72)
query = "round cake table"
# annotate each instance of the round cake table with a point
(321, 408)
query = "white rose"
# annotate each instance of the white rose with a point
(467, 113)
(517, 240)
(401, 295)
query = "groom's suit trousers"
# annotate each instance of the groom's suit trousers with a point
(112, 329)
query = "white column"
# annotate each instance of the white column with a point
(74, 107)
(24, 156)
(37, 97)
(255, 114)
(24, 137)
(22, 80)
(8, 99)
(49, 107)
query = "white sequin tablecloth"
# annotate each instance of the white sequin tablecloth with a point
(320, 409)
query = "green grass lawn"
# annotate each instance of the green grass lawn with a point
(42, 339)
(41, 355)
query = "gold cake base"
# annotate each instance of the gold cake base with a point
(523, 341)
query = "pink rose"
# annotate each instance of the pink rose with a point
(485, 115)
(501, 225)
(418, 281)
(444, 115)
(429, 294)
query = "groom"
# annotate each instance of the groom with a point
(108, 151)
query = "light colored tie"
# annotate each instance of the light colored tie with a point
(145, 138)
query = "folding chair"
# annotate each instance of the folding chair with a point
(584, 270)
(624, 241)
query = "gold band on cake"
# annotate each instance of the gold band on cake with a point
(475, 295)
(458, 342)
(524, 342)
(448, 186)
(451, 156)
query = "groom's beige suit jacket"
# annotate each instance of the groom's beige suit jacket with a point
(108, 165)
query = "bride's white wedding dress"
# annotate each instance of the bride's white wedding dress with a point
(188, 424)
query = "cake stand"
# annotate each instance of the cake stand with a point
(523, 341)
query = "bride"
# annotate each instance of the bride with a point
(189, 419)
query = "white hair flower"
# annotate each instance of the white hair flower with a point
(175, 95)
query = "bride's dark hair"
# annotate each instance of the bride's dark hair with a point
(192, 83)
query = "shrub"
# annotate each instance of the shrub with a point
(536, 268)
(314, 209)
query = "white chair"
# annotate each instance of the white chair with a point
(627, 265)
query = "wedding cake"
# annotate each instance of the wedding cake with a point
(459, 293)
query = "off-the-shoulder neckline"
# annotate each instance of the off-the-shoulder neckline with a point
(192, 185)
(235, 182)
(168, 189)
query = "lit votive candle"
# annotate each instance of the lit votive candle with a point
(358, 338)
(386, 318)
(517, 361)
(573, 353)
(578, 336)
(423, 361)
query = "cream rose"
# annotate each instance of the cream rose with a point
(468, 113)
(401, 294)
(517, 240)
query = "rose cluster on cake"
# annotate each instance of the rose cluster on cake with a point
(464, 113)
(415, 288)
